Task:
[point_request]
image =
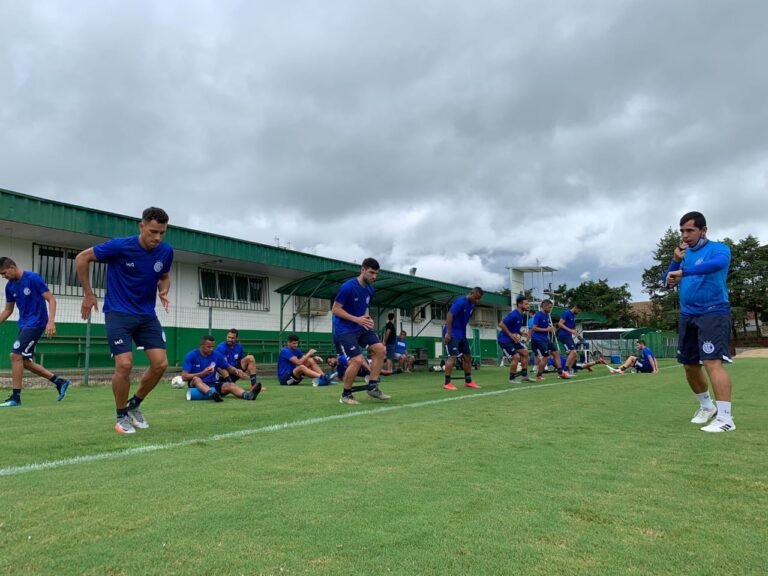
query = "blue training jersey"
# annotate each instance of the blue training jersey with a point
(233, 354)
(401, 346)
(27, 293)
(284, 365)
(647, 355)
(195, 362)
(703, 288)
(462, 310)
(355, 300)
(569, 319)
(514, 323)
(132, 274)
(541, 320)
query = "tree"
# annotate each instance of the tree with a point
(664, 302)
(748, 279)
(599, 297)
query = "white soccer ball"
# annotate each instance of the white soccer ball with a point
(178, 382)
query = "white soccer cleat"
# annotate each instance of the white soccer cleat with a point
(719, 426)
(704, 415)
(613, 370)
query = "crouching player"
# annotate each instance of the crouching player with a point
(209, 372)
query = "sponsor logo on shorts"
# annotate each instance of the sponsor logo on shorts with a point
(708, 347)
(16, 344)
(163, 333)
(118, 342)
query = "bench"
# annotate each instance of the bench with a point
(70, 346)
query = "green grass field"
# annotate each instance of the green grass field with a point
(598, 475)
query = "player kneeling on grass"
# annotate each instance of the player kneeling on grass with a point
(209, 372)
(643, 362)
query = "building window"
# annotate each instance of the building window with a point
(57, 267)
(231, 290)
(439, 312)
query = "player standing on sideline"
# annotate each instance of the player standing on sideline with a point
(455, 336)
(565, 333)
(353, 331)
(29, 291)
(700, 268)
(138, 273)
(541, 345)
(509, 339)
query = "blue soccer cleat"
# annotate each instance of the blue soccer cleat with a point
(62, 388)
(11, 401)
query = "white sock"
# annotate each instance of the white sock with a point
(706, 401)
(724, 411)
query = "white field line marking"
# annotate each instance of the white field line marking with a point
(85, 459)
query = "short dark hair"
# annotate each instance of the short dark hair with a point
(6, 262)
(293, 338)
(643, 341)
(520, 298)
(391, 315)
(207, 338)
(698, 219)
(546, 301)
(157, 214)
(233, 331)
(371, 263)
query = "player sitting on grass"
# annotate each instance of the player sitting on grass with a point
(643, 362)
(209, 372)
(293, 364)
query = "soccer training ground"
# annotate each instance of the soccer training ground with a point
(598, 475)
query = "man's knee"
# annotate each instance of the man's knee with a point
(377, 349)
(123, 363)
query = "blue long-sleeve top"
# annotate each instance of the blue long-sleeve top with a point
(703, 288)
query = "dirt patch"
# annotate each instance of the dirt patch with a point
(753, 353)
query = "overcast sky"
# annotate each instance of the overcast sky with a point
(456, 137)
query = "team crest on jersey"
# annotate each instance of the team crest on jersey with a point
(708, 347)
(367, 299)
(158, 266)
(27, 291)
(699, 261)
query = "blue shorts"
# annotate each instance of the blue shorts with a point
(458, 346)
(391, 352)
(643, 366)
(124, 328)
(567, 341)
(543, 347)
(290, 380)
(352, 344)
(215, 385)
(511, 348)
(26, 341)
(703, 337)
